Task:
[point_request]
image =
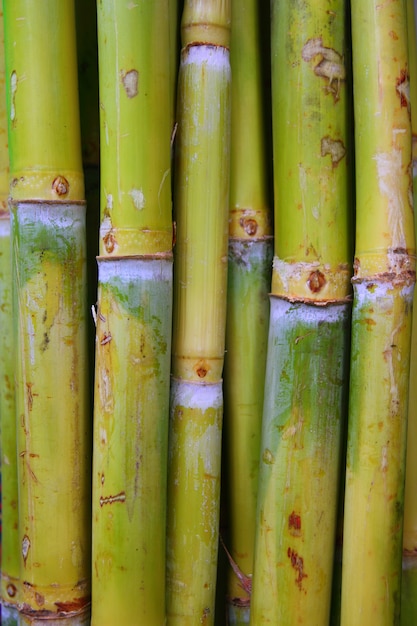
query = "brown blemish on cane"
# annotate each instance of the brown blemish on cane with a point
(109, 241)
(334, 148)
(120, 497)
(25, 548)
(249, 225)
(202, 368)
(130, 81)
(205, 615)
(402, 86)
(11, 590)
(393, 35)
(330, 64)
(29, 395)
(73, 605)
(316, 281)
(105, 339)
(60, 186)
(297, 563)
(294, 524)
(39, 599)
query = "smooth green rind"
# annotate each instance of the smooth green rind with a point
(249, 278)
(201, 213)
(44, 140)
(135, 108)
(10, 549)
(408, 591)
(311, 150)
(51, 406)
(375, 469)
(299, 467)
(133, 341)
(193, 502)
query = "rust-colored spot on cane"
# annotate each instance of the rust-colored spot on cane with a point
(402, 86)
(294, 524)
(11, 590)
(72, 605)
(120, 497)
(316, 281)
(29, 395)
(334, 148)
(205, 615)
(202, 368)
(39, 598)
(60, 186)
(109, 241)
(297, 563)
(105, 339)
(249, 225)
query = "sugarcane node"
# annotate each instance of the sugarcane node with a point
(402, 87)
(60, 186)
(334, 148)
(249, 225)
(316, 281)
(130, 81)
(11, 590)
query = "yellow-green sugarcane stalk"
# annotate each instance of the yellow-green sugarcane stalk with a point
(48, 231)
(249, 279)
(200, 279)
(10, 562)
(409, 569)
(134, 316)
(383, 294)
(306, 371)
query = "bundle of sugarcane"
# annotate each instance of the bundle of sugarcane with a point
(48, 232)
(409, 570)
(201, 212)
(306, 372)
(249, 279)
(383, 293)
(133, 334)
(9, 511)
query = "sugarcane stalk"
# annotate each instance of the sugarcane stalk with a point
(48, 233)
(306, 370)
(200, 282)
(134, 316)
(409, 563)
(382, 314)
(249, 279)
(10, 562)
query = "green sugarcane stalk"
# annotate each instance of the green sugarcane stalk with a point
(201, 213)
(306, 371)
(133, 335)
(382, 314)
(10, 561)
(249, 279)
(48, 231)
(409, 565)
